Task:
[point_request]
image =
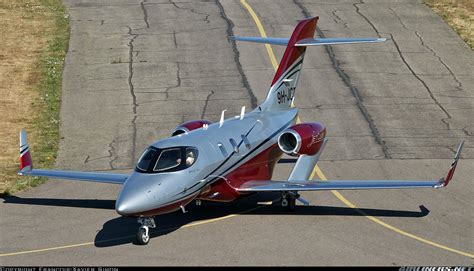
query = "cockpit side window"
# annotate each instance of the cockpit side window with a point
(146, 159)
(168, 159)
(191, 156)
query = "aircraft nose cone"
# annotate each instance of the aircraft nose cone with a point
(126, 205)
(121, 208)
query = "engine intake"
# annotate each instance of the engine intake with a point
(303, 138)
(189, 126)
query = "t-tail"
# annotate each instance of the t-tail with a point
(282, 91)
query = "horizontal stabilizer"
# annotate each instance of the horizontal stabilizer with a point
(309, 42)
(273, 41)
(334, 41)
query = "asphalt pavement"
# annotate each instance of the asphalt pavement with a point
(394, 110)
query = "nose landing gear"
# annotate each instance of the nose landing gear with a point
(143, 234)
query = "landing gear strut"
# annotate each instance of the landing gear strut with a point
(288, 200)
(143, 234)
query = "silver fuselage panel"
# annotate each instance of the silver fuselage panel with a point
(221, 149)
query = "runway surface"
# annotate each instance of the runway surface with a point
(396, 110)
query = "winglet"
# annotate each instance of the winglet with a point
(26, 163)
(445, 181)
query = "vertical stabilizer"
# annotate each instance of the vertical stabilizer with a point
(282, 91)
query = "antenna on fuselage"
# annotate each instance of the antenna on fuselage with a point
(242, 112)
(221, 122)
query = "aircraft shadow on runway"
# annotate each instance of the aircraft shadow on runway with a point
(78, 203)
(122, 230)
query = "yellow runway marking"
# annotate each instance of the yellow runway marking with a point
(45, 249)
(275, 65)
(318, 171)
(262, 33)
(263, 204)
(270, 53)
(388, 226)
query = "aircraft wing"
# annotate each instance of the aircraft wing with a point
(270, 185)
(99, 177)
(26, 169)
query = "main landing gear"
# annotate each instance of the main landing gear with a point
(288, 200)
(143, 234)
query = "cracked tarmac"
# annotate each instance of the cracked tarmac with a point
(396, 110)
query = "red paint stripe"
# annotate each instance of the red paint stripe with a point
(303, 30)
(166, 209)
(450, 174)
(259, 167)
(25, 160)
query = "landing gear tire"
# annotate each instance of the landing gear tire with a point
(288, 200)
(143, 236)
(292, 204)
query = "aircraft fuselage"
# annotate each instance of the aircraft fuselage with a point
(227, 156)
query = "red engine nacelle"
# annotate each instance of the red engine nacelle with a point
(189, 126)
(303, 138)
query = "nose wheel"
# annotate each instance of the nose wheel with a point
(143, 234)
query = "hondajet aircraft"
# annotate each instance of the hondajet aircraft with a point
(234, 157)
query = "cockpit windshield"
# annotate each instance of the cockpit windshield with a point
(146, 159)
(168, 159)
(155, 160)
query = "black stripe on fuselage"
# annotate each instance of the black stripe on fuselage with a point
(233, 152)
(256, 148)
(225, 161)
(240, 160)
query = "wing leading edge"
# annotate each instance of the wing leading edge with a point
(269, 185)
(26, 169)
(97, 177)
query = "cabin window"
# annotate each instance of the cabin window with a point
(235, 147)
(222, 148)
(246, 141)
(191, 156)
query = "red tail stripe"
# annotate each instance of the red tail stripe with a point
(305, 29)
